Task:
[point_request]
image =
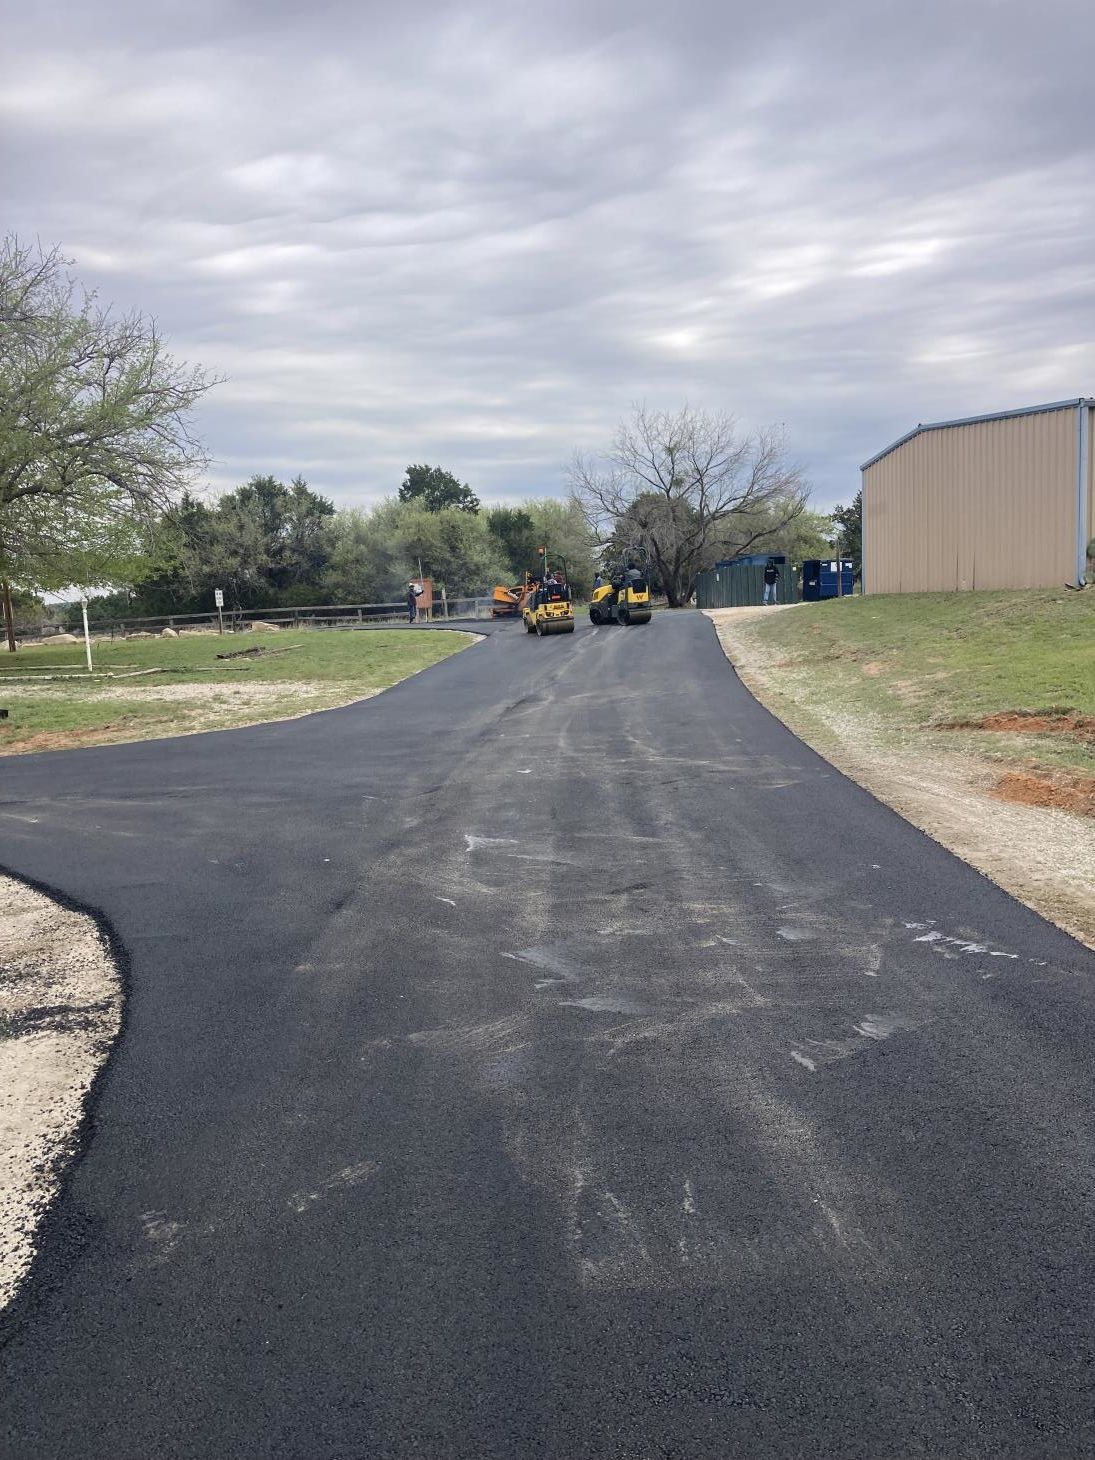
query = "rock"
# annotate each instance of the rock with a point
(63, 639)
(169, 633)
(260, 627)
(140, 634)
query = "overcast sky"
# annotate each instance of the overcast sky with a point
(476, 235)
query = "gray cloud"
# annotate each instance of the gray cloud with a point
(476, 236)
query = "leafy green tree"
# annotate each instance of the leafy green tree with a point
(96, 442)
(455, 548)
(849, 522)
(515, 532)
(436, 489)
(351, 570)
(374, 554)
(288, 521)
(561, 527)
(264, 544)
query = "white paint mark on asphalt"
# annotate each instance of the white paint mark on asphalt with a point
(689, 1203)
(348, 1177)
(833, 1220)
(804, 1061)
(548, 958)
(161, 1233)
(964, 945)
(880, 1026)
(794, 935)
(475, 843)
(525, 773)
(606, 1004)
(451, 901)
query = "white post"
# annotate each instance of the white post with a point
(87, 633)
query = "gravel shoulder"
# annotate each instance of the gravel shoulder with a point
(60, 1012)
(1043, 857)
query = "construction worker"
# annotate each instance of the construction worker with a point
(771, 581)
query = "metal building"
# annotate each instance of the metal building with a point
(1001, 501)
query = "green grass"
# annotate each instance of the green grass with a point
(918, 661)
(323, 668)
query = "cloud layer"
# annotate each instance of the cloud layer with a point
(476, 236)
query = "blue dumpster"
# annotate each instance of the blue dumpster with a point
(819, 578)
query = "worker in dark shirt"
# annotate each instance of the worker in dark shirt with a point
(771, 581)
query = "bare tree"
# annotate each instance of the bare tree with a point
(94, 421)
(677, 480)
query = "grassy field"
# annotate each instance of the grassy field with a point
(921, 664)
(191, 689)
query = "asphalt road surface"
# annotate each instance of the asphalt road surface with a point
(554, 1057)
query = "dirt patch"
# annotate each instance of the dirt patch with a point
(71, 739)
(60, 1011)
(1031, 722)
(1035, 846)
(217, 706)
(1062, 792)
(243, 693)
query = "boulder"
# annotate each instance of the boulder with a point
(140, 634)
(63, 639)
(169, 633)
(260, 627)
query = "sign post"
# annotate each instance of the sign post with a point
(218, 599)
(87, 633)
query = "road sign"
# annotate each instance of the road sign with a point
(218, 597)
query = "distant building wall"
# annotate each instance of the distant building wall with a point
(991, 502)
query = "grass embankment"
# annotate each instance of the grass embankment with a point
(1008, 678)
(973, 714)
(192, 689)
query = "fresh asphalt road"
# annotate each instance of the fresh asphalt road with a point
(554, 1057)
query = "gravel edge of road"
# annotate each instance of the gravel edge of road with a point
(62, 995)
(929, 796)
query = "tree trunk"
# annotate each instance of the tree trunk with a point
(9, 617)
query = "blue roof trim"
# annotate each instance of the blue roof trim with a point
(1056, 405)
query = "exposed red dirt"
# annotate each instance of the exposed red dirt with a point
(1031, 722)
(1064, 791)
(68, 739)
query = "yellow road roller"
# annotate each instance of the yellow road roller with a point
(625, 600)
(548, 610)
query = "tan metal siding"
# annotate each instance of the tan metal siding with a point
(989, 504)
(1090, 475)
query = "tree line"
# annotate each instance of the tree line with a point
(269, 544)
(100, 470)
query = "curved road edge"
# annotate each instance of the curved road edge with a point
(63, 988)
(999, 841)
